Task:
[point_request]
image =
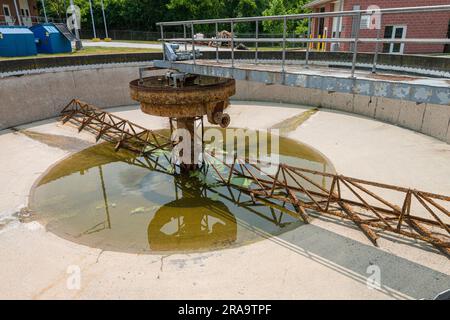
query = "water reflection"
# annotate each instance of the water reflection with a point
(120, 202)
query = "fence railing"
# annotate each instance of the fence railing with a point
(7, 20)
(354, 40)
(28, 20)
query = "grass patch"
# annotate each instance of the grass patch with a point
(87, 51)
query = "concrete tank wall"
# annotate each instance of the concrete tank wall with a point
(430, 119)
(29, 98)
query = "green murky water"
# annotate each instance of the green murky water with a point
(111, 201)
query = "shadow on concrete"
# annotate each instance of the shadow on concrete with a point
(400, 277)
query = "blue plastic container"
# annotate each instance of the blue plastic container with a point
(49, 39)
(16, 41)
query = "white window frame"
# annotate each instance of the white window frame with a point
(10, 18)
(391, 45)
(9, 10)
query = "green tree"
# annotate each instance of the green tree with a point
(284, 7)
(276, 7)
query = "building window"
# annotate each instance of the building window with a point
(6, 11)
(25, 12)
(394, 32)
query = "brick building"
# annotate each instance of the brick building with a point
(415, 25)
(15, 12)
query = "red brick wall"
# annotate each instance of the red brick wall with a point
(31, 3)
(328, 23)
(419, 25)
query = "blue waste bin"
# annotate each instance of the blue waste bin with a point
(49, 39)
(16, 41)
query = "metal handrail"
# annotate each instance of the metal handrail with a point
(3, 19)
(309, 15)
(355, 14)
(34, 19)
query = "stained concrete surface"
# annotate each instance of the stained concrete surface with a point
(328, 259)
(108, 86)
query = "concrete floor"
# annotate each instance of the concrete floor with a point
(327, 259)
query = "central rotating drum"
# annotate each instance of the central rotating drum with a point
(185, 98)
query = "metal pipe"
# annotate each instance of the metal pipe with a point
(283, 62)
(45, 11)
(104, 19)
(405, 10)
(232, 44)
(307, 43)
(163, 42)
(193, 43)
(327, 40)
(19, 19)
(92, 19)
(217, 43)
(377, 48)
(185, 35)
(355, 44)
(256, 43)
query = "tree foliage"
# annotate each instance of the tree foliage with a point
(143, 14)
(283, 7)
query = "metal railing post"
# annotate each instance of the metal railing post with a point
(217, 42)
(283, 62)
(162, 41)
(232, 44)
(355, 43)
(256, 43)
(377, 47)
(308, 44)
(193, 44)
(185, 37)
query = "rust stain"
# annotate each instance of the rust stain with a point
(392, 77)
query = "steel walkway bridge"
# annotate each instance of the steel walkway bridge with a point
(309, 74)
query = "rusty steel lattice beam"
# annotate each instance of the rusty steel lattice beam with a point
(373, 207)
(112, 128)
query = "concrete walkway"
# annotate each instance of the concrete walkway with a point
(327, 259)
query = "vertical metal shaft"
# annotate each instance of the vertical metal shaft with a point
(193, 42)
(162, 42)
(217, 43)
(232, 44)
(92, 19)
(45, 11)
(355, 46)
(19, 20)
(308, 44)
(104, 19)
(283, 63)
(256, 43)
(377, 47)
(185, 37)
